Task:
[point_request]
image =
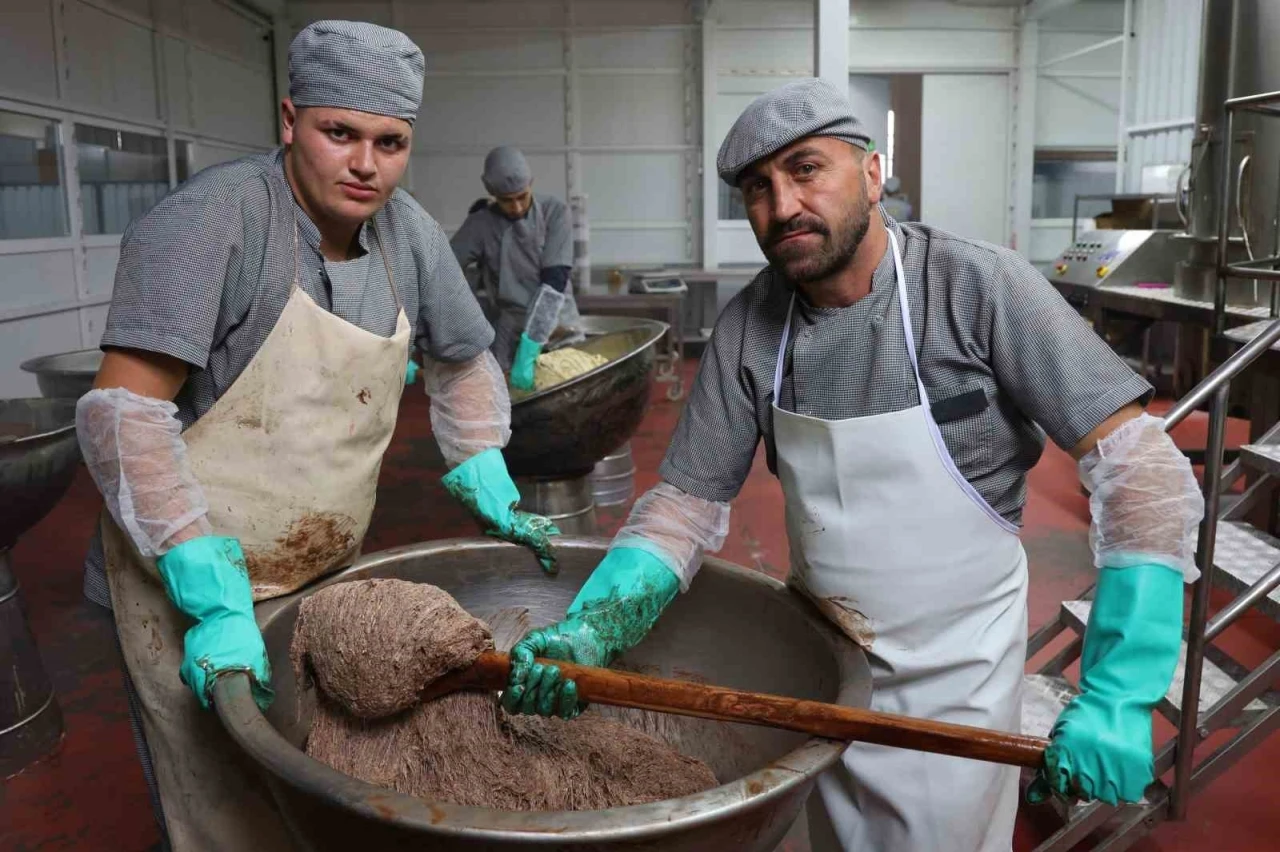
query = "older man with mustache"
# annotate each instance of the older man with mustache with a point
(903, 380)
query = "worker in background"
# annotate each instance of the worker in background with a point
(901, 378)
(895, 201)
(255, 358)
(523, 245)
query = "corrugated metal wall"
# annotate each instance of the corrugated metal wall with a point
(1164, 70)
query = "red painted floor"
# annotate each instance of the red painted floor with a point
(90, 795)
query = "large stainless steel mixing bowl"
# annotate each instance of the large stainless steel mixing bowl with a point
(67, 375)
(734, 627)
(38, 455)
(561, 432)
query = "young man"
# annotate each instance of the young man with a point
(255, 357)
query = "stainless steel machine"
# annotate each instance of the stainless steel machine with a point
(1118, 258)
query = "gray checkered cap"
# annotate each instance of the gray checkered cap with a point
(810, 107)
(354, 65)
(506, 171)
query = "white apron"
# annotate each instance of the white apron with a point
(288, 458)
(895, 547)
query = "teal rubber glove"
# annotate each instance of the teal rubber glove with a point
(411, 372)
(1101, 744)
(522, 367)
(482, 484)
(614, 610)
(206, 579)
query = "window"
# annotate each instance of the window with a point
(33, 203)
(1060, 176)
(122, 176)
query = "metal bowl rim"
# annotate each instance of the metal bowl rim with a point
(251, 731)
(36, 365)
(51, 433)
(657, 327)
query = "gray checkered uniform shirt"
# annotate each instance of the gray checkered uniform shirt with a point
(983, 319)
(204, 276)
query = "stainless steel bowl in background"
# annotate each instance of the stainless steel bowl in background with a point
(561, 432)
(735, 627)
(67, 375)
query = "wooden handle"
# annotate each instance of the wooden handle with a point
(852, 724)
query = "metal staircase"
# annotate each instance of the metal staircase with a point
(1234, 556)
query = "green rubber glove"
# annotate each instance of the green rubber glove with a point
(411, 372)
(206, 579)
(482, 484)
(1101, 744)
(614, 610)
(522, 367)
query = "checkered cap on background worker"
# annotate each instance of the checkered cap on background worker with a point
(903, 380)
(522, 243)
(256, 352)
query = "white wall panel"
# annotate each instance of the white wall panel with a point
(27, 58)
(301, 14)
(478, 14)
(916, 49)
(632, 49)
(489, 51)
(1166, 58)
(225, 31)
(869, 97)
(629, 187)
(644, 13)
(111, 63)
(93, 322)
(762, 53)
(500, 111)
(100, 270)
(657, 247)
(30, 338)
(1079, 111)
(205, 154)
(39, 278)
(178, 83)
(644, 110)
(964, 172)
(767, 13)
(231, 101)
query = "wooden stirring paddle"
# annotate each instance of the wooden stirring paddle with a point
(684, 698)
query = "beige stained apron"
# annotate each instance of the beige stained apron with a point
(288, 459)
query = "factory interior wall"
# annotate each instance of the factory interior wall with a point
(1077, 102)
(154, 90)
(601, 95)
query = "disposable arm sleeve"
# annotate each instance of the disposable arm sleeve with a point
(133, 448)
(676, 528)
(544, 314)
(1145, 504)
(470, 408)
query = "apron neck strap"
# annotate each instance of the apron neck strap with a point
(900, 279)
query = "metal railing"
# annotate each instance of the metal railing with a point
(1216, 388)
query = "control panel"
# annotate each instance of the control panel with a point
(1116, 258)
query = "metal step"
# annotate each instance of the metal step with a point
(1263, 457)
(1214, 682)
(1243, 554)
(1043, 697)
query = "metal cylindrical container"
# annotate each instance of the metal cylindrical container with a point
(613, 481)
(30, 720)
(566, 502)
